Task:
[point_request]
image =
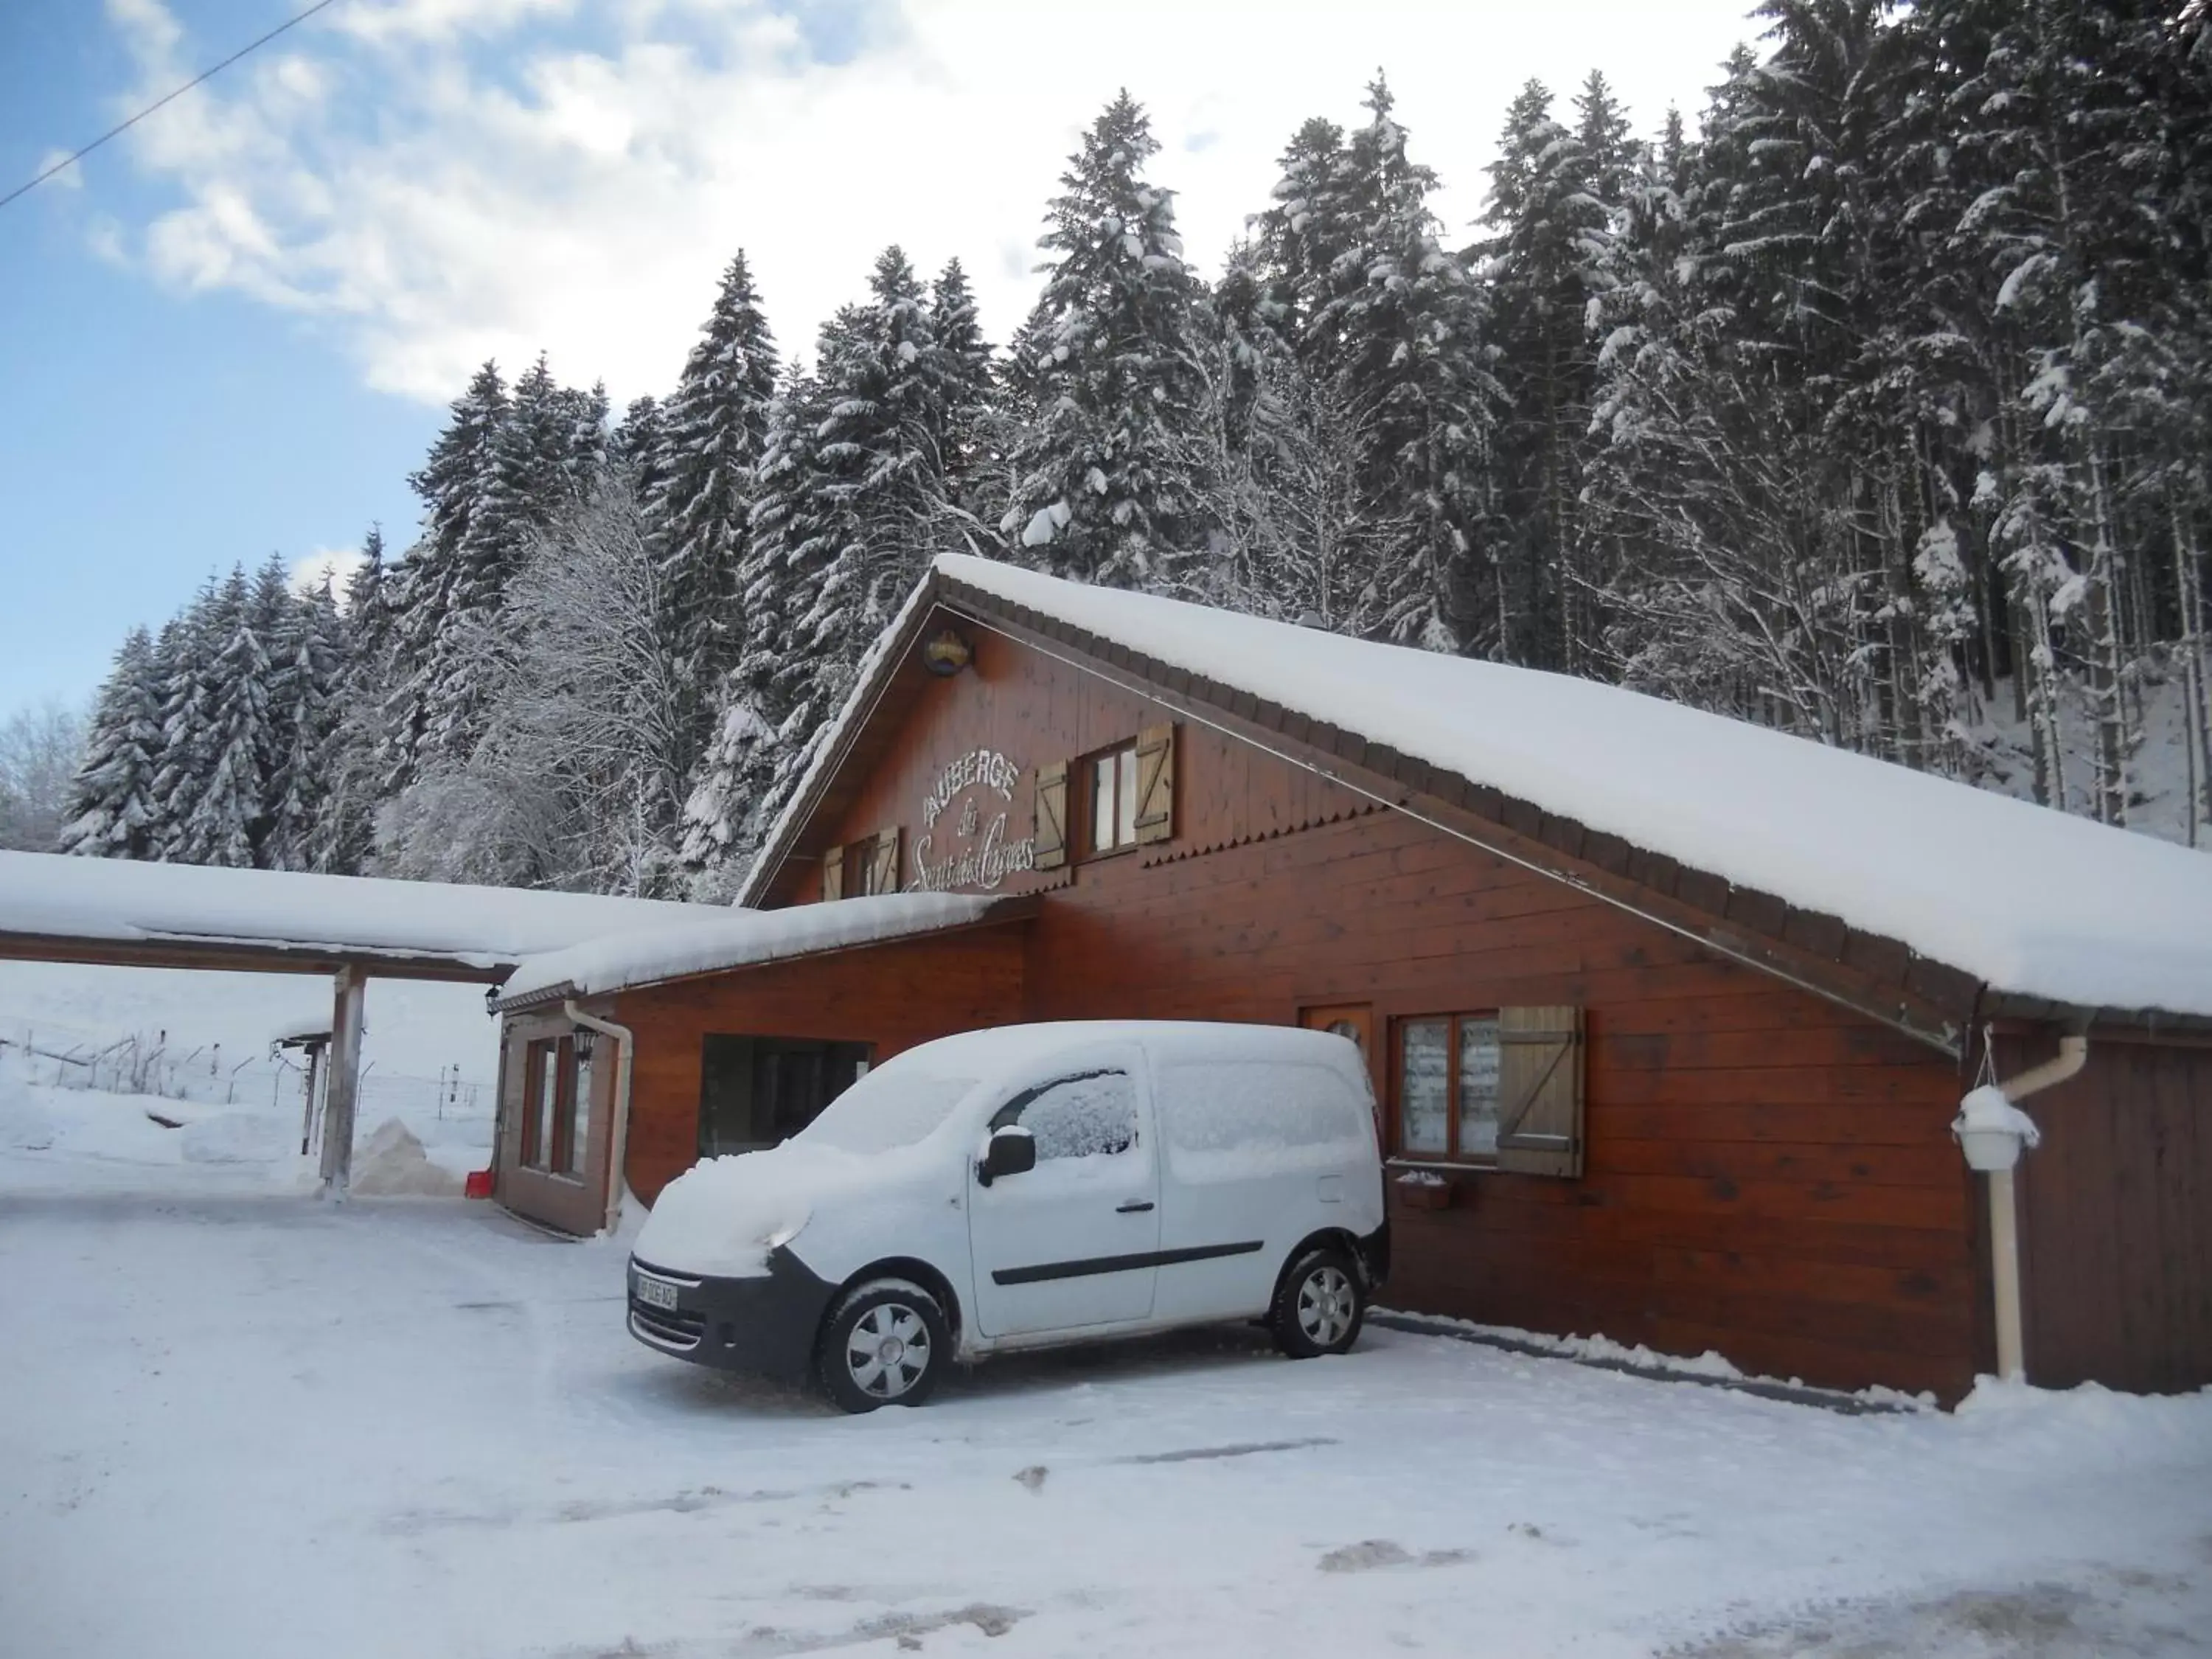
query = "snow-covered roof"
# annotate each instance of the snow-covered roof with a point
(46, 896)
(2031, 902)
(738, 939)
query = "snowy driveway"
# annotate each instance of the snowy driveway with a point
(252, 1426)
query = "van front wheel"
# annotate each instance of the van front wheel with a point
(1319, 1304)
(884, 1344)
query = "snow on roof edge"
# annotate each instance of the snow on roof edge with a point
(744, 939)
(45, 896)
(2029, 902)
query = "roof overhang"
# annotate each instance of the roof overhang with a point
(1871, 974)
(248, 956)
(1014, 910)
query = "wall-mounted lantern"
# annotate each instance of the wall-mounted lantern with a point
(947, 652)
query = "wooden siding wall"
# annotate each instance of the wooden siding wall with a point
(1768, 1174)
(892, 996)
(2116, 1218)
(1035, 711)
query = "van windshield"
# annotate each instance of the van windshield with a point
(888, 1108)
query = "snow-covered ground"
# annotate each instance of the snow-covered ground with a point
(241, 1422)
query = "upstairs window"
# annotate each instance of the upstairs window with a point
(1111, 779)
(860, 868)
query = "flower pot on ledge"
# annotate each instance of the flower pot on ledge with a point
(1434, 1194)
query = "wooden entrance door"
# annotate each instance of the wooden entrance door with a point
(1355, 1020)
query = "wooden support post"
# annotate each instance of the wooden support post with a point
(344, 1082)
(307, 1112)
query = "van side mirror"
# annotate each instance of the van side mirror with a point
(1013, 1150)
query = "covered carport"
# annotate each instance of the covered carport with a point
(116, 912)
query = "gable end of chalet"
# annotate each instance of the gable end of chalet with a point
(1877, 976)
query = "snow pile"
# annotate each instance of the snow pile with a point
(237, 1138)
(738, 939)
(1987, 1108)
(2029, 900)
(392, 1164)
(45, 893)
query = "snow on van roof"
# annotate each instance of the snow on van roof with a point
(2031, 901)
(47, 895)
(737, 938)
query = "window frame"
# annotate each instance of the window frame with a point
(752, 1051)
(553, 1132)
(1453, 1156)
(1123, 754)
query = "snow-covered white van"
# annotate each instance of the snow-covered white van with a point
(1024, 1188)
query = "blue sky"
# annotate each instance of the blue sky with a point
(149, 435)
(234, 332)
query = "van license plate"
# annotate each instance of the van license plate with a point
(654, 1294)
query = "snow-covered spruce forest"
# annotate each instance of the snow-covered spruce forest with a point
(1878, 407)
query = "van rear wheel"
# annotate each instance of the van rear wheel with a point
(885, 1343)
(1320, 1305)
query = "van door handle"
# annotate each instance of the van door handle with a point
(1134, 1206)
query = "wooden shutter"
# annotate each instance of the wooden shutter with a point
(884, 862)
(1539, 1092)
(1155, 783)
(1051, 849)
(833, 874)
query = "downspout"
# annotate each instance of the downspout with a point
(618, 1140)
(1992, 1130)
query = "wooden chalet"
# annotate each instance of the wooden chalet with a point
(1684, 1102)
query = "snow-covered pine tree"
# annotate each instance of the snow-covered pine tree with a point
(700, 481)
(879, 459)
(187, 648)
(342, 840)
(226, 818)
(2074, 128)
(638, 445)
(1401, 343)
(765, 708)
(525, 484)
(426, 586)
(972, 439)
(1541, 267)
(111, 811)
(306, 683)
(1304, 240)
(1101, 486)
(584, 453)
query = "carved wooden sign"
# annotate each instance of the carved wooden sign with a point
(960, 846)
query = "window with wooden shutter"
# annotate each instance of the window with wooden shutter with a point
(833, 874)
(884, 862)
(1539, 1092)
(1155, 784)
(1051, 849)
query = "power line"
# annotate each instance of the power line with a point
(292, 21)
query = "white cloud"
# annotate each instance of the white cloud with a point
(334, 565)
(66, 179)
(382, 175)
